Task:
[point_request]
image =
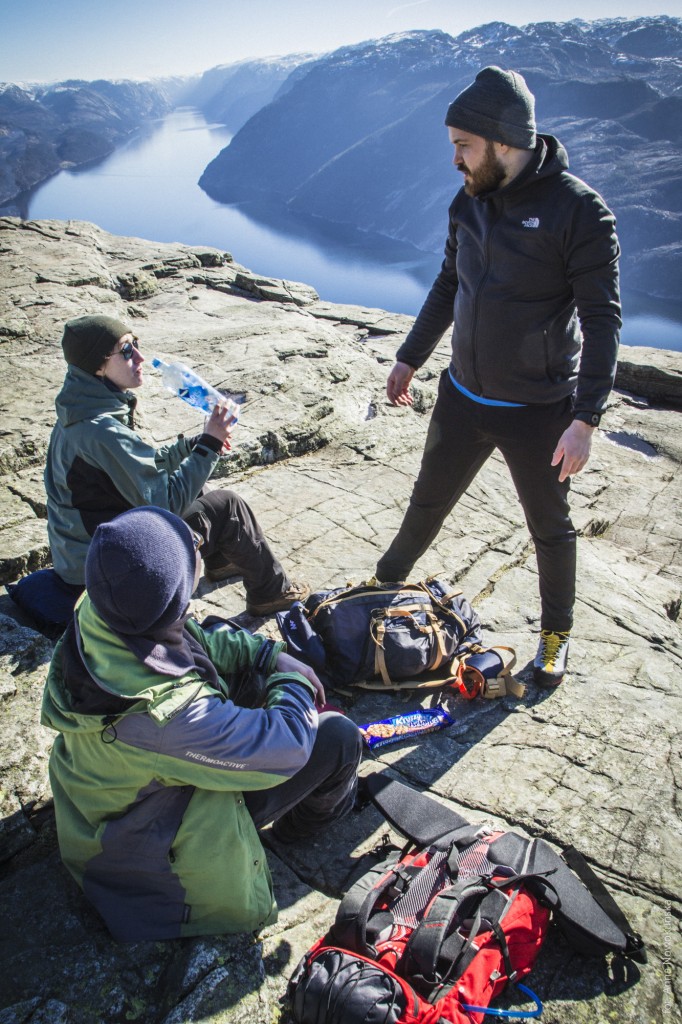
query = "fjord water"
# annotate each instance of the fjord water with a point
(148, 188)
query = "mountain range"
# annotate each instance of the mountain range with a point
(48, 128)
(356, 137)
(44, 129)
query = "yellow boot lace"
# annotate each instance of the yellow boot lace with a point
(552, 642)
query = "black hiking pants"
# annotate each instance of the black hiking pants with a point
(321, 792)
(461, 437)
(231, 534)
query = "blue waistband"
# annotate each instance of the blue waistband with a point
(481, 400)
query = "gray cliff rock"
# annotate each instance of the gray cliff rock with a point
(327, 465)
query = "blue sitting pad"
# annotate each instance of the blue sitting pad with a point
(47, 599)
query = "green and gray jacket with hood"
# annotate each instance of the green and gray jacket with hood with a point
(148, 775)
(98, 466)
(529, 284)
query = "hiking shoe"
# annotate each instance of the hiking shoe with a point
(222, 572)
(550, 661)
(281, 603)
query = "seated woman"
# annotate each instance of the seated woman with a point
(98, 466)
(160, 780)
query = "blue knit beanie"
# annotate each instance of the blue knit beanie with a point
(139, 571)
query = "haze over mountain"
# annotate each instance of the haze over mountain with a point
(357, 136)
(231, 93)
(45, 129)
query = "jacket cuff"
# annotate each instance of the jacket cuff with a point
(593, 419)
(409, 360)
(267, 655)
(209, 442)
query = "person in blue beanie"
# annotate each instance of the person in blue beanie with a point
(177, 744)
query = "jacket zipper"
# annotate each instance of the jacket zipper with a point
(362, 593)
(186, 703)
(477, 300)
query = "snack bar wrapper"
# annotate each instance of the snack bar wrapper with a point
(405, 726)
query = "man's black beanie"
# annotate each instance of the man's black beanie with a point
(499, 106)
(88, 340)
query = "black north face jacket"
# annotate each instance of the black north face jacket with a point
(530, 282)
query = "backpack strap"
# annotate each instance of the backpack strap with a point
(634, 943)
(377, 631)
(585, 920)
(416, 816)
(448, 612)
(385, 881)
(419, 961)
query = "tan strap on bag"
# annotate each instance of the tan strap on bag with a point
(502, 685)
(377, 630)
(442, 673)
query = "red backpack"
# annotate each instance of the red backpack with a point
(435, 934)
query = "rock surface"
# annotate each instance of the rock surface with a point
(327, 465)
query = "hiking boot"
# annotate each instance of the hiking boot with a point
(281, 603)
(284, 833)
(550, 661)
(222, 572)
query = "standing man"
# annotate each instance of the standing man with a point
(98, 466)
(529, 285)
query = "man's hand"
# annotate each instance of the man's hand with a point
(219, 425)
(573, 449)
(285, 663)
(398, 383)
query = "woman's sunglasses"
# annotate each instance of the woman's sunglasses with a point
(126, 350)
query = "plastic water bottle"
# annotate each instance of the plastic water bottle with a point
(189, 386)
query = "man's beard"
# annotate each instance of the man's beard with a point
(488, 176)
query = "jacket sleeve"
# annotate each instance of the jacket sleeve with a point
(170, 456)
(233, 650)
(213, 744)
(437, 313)
(591, 258)
(132, 466)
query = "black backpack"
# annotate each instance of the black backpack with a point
(379, 634)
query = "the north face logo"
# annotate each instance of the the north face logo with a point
(532, 222)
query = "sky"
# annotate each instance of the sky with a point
(52, 40)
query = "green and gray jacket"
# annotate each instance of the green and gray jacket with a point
(98, 467)
(151, 819)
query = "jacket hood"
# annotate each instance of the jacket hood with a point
(549, 158)
(553, 156)
(107, 658)
(84, 396)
